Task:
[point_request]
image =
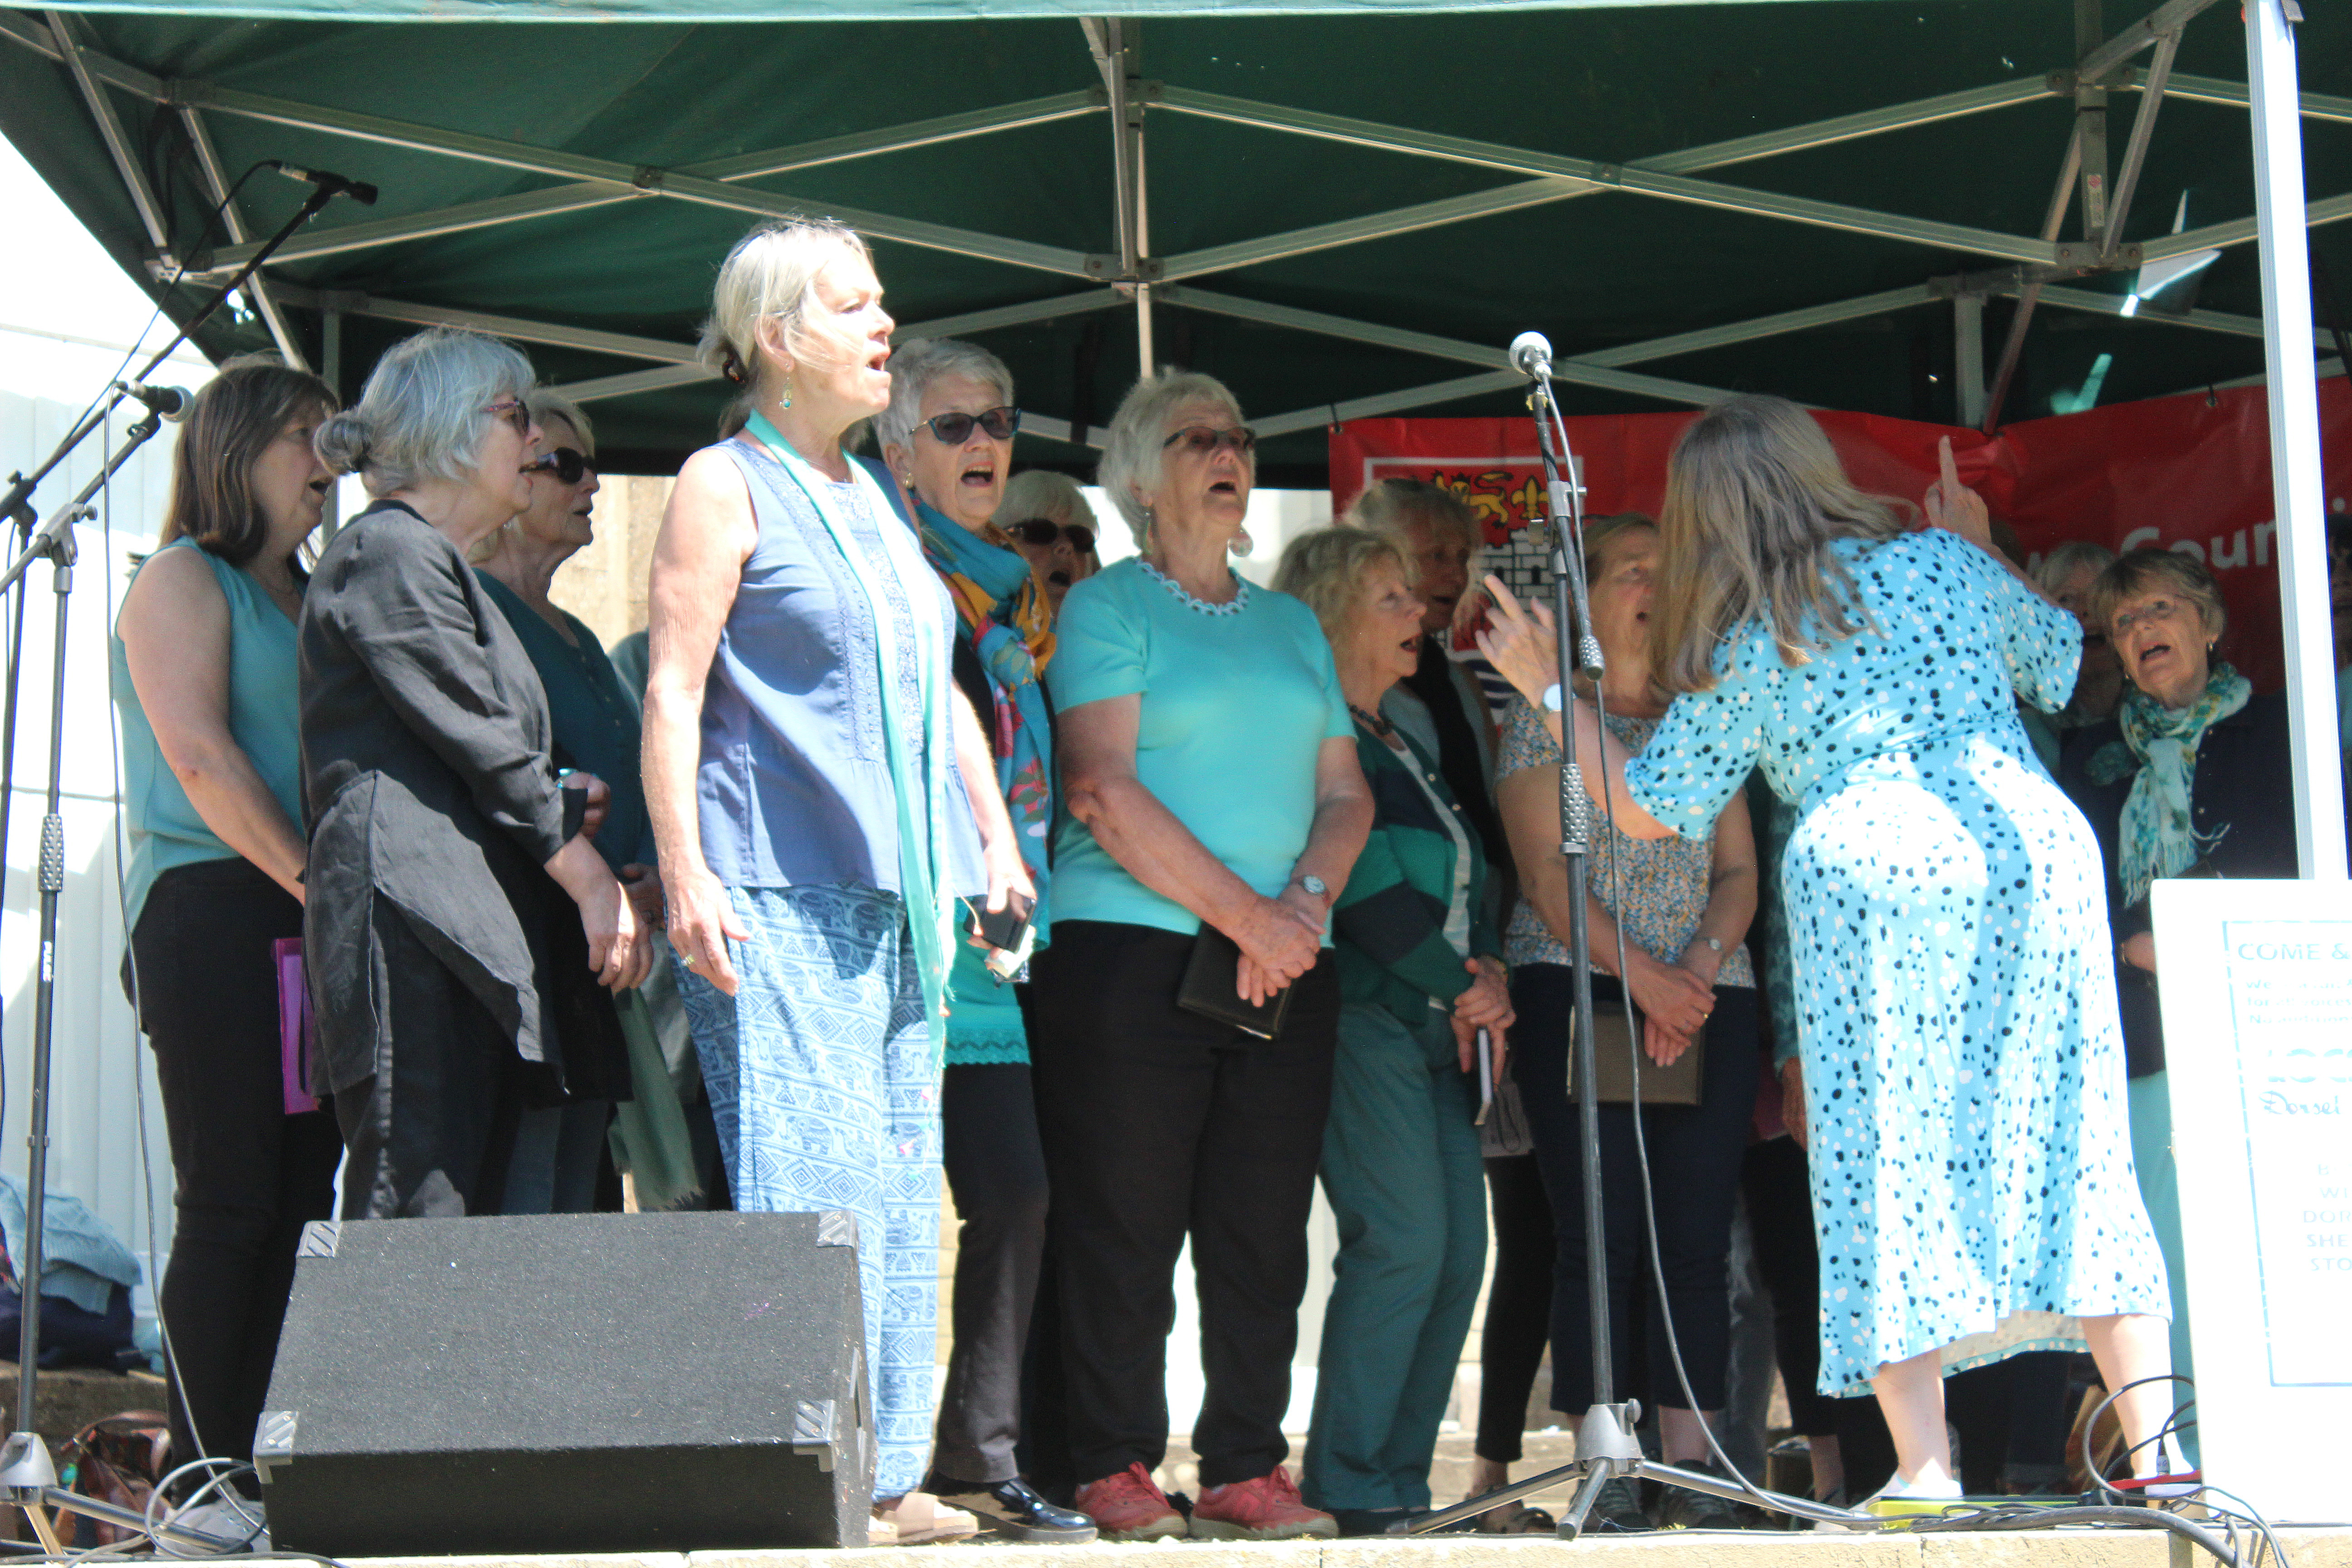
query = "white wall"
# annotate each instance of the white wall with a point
(101, 1073)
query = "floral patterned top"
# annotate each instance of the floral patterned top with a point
(1663, 883)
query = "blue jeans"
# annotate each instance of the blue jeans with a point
(825, 1087)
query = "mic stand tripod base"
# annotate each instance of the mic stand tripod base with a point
(1606, 1449)
(29, 1474)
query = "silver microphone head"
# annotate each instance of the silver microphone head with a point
(1531, 353)
(165, 401)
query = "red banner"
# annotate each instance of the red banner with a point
(2189, 473)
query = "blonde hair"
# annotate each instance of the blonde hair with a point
(1132, 450)
(2149, 570)
(1755, 496)
(546, 404)
(1326, 567)
(772, 272)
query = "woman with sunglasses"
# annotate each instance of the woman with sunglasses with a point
(946, 436)
(1052, 526)
(452, 988)
(559, 1150)
(1213, 803)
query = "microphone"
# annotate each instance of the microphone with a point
(1531, 354)
(359, 191)
(164, 401)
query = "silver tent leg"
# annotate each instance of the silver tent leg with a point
(2294, 438)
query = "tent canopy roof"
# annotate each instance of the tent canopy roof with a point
(1340, 211)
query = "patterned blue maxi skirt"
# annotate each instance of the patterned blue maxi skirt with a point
(822, 1081)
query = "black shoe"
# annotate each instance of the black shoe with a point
(1012, 1508)
(1682, 1510)
(1362, 1521)
(1617, 1510)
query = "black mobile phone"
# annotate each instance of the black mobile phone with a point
(1003, 929)
(575, 805)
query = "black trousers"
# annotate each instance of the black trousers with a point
(434, 1142)
(248, 1175)
(1694, 1156)
(996, 1170)
(1160, 1124)
(1519, 1304)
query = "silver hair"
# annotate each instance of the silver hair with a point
(914, 366)
(2068, 559)
(546, 404)
(421, 415)
(1131, 451)
(1046, 493)
(771, 271)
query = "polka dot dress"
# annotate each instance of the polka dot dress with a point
(1955, 990)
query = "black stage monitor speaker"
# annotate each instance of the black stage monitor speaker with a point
(571, 1382)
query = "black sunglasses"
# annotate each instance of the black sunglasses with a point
(1040, 532)
(565, 463)
(1200, 438)
(955, 430)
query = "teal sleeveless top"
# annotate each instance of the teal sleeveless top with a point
(264, 718)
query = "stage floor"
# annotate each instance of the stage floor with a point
(2305, 1548)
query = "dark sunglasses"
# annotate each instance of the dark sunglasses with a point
(1040, 532)
(1200, 438)
(955, 430)
(513, 412)
(566, 464)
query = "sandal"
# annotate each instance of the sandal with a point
(1513, 1519)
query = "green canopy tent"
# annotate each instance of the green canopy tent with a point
(1341, 207)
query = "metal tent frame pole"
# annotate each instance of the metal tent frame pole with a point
(2293, 401)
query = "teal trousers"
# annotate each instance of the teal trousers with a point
(1400, 1167)
(2150, 1099)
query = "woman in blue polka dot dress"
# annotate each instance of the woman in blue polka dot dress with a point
(1972, 1157)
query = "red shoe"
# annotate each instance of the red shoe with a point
(1267, 1509)
(1129, 1507)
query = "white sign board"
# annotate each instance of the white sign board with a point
(2257, 982)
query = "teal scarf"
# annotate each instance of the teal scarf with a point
(921, 834)
(987, 582)
(2158, 835)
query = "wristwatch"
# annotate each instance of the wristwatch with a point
(1315, 885)
(1551, 697)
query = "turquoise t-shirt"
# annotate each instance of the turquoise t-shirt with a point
(1238, 699)
(265, 717)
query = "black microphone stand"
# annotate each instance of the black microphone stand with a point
(1606, 1447)
(27, 1475)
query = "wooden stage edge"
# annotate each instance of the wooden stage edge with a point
(2322, 1547)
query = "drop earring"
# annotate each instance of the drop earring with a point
(788, 389)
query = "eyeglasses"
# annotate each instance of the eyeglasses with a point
(513, 412)
(955, 430)
(1201, 440)
(565, 463)
(1040, 532)
(2155, 610)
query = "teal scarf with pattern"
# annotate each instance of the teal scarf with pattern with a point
(2158, 835)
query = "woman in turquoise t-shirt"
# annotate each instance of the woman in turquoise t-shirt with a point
(1210, 777)
(203, 662)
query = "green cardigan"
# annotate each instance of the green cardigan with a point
(1389, 925)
